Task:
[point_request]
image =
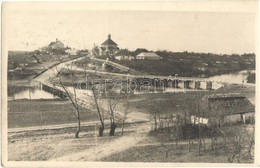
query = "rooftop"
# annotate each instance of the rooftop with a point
(109, 41)
(225, 104)
(148, 54)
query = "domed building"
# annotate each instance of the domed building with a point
(56, 45)
(108, 47)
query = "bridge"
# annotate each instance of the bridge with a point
(167, 81)
(191, 83)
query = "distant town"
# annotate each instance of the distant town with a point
(183, 63)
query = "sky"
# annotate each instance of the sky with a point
(225, 32)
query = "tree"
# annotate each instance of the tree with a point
(112, 100)
(74, 101)
(112, 103)
(101, 118)
(95, 50)
(156, 108)
(71, 95)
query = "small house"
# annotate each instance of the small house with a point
(124, 54)
(125, 57)
(148, 56)
(224, 109)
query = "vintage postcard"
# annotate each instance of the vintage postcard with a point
(105, 84)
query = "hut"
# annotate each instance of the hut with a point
(222, 109)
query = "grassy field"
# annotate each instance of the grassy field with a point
(25, 113)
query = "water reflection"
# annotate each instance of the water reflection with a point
(32, 93)
(238, 77)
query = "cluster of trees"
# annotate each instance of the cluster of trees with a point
(106, 106)
(53, 51)
(235, 142)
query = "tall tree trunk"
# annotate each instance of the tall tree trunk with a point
(112, 129)
(75, 104)
(78, 129)
(102, 127)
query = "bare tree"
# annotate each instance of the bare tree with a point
(101, 118)
(156, 108)
(74, 101)
(112, 103)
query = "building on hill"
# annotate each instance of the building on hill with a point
(124, 54)
(148, 56)
(139, 50)
(224, 109)
(108, 47)
(56, 45)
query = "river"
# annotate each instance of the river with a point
(38, 93)
(236, 77)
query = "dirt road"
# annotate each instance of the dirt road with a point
(95, 153)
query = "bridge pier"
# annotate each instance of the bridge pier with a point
(197, 85)
(181, 84)
(165, 81)
(186, 84)
(175, 83)
(209, 86)
(203, 85)
(192, 84)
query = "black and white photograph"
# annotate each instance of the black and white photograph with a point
(118, 83)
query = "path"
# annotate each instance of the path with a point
(104, 150)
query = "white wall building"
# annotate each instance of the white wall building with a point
(148, 56)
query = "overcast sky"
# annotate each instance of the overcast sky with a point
(29, 28)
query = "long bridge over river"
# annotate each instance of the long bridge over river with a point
(191, 83)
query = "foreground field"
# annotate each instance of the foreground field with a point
(25, 113)
(136, 145)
